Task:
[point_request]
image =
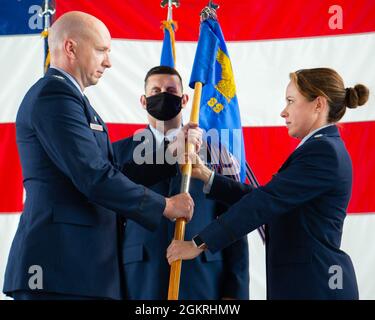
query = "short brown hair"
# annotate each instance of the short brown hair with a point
(327, 83)
(163, 70)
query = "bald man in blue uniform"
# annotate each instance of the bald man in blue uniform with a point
(76, 197)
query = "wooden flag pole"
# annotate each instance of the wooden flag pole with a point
(179, 233)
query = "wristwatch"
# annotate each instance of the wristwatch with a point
(198, 242)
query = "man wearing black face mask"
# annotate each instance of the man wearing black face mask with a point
(164, 101)
(164, 106)
(212, 276)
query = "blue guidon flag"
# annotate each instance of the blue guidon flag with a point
(219, 106)
(168, 52)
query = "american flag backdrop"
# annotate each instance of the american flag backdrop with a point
(267, 39)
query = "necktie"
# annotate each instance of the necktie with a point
(165, 143)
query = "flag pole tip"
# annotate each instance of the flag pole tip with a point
(165, 3)
(209, 12)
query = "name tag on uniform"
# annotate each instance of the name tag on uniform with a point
(95, 126)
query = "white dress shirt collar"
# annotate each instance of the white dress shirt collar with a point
(159, 136)
(312, 133)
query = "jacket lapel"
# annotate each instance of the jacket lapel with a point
(331, 131)
(92, 117)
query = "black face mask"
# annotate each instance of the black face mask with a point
(164, 106)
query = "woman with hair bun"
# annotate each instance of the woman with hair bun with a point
(303, 206)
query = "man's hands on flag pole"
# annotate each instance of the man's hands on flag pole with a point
(187, 250)
(182, 205)
(179, 206)
(189, 133)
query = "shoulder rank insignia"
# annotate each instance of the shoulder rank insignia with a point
(58, 77)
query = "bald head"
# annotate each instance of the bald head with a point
(80, 44)
(75, 25)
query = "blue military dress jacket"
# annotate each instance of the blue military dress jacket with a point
(304, 206)
(75, 195)
(210, 276)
